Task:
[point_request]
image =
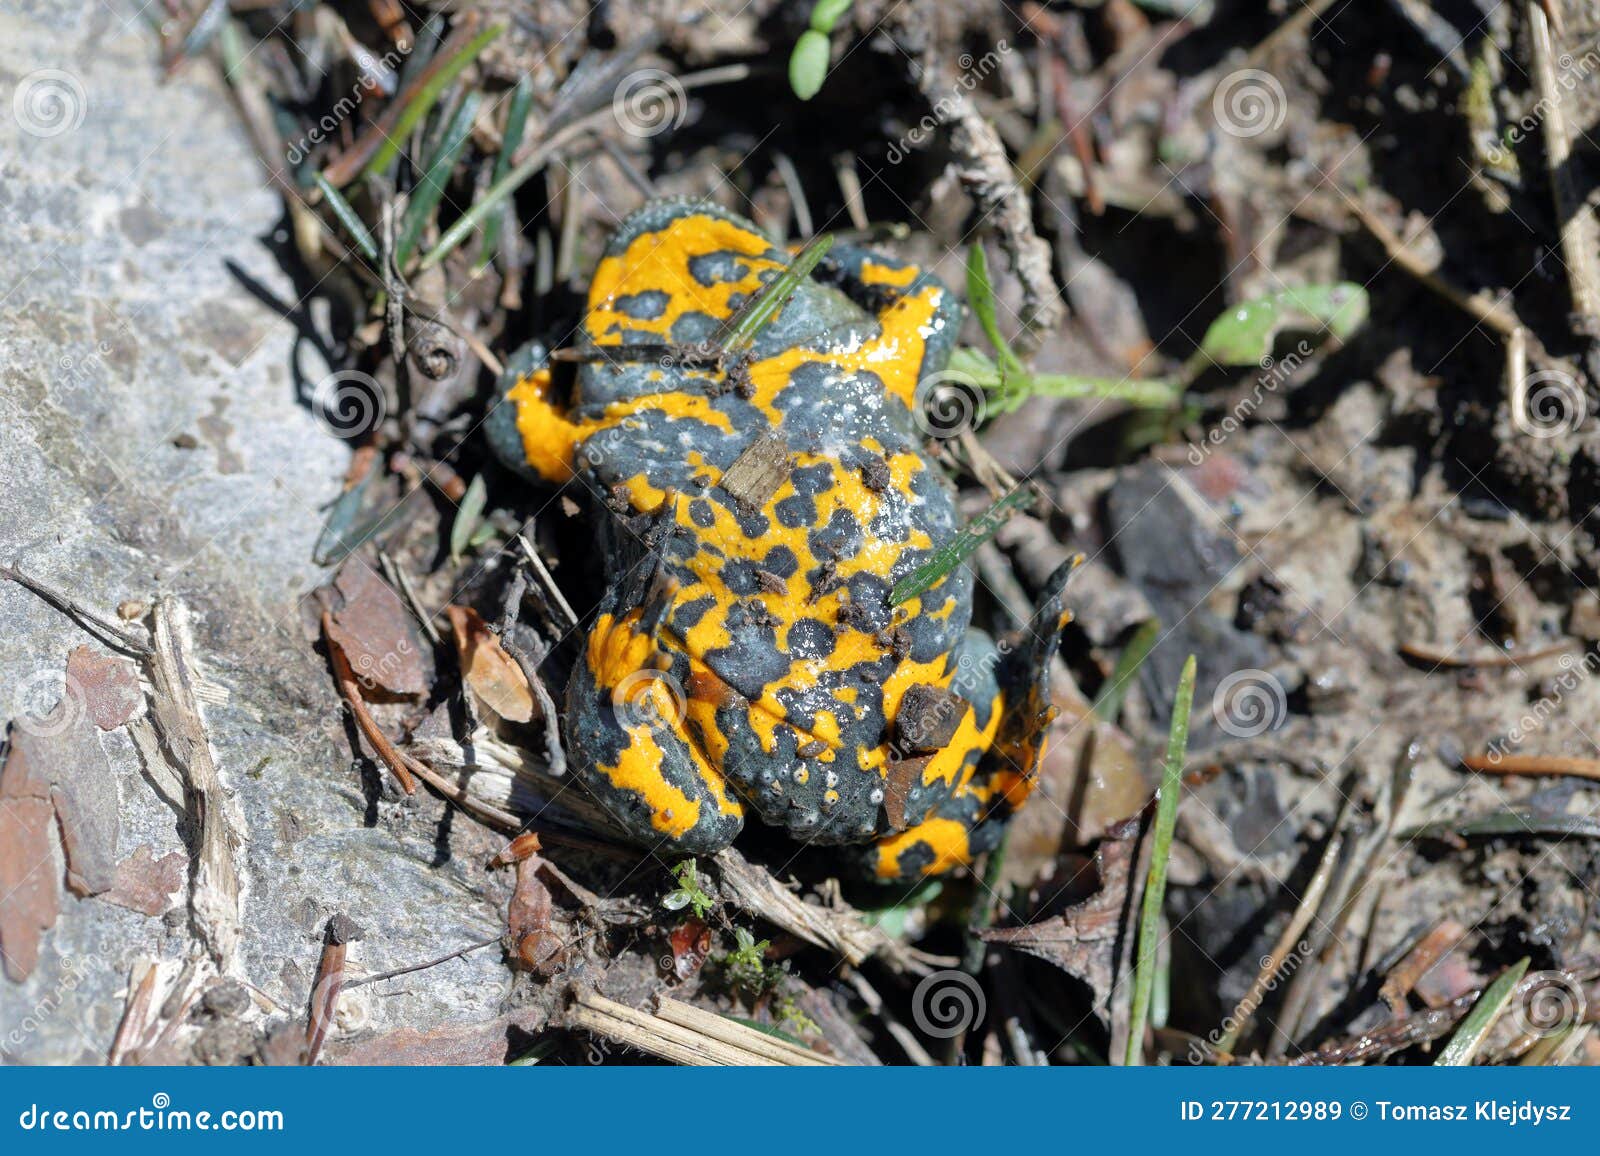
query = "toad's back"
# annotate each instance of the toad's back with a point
(784, 568)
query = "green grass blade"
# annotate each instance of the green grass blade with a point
(510, 142)
(426, 196)
(468, 516)
(349, 218)
(486, 204)
(1108, 703)
(427, 96)
(960, 548)
(1469, 1036)
(980, 296)
(739, 336)
(1155, 887)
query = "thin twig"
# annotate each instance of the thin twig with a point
(350, 690)
(362, 981)
(115, 636)
(1533, 765)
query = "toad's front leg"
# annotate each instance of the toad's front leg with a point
(632, 745)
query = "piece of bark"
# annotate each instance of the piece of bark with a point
(107, 686)
(375, 631)
(146, 884)
(28, 898)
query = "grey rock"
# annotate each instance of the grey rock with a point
(125, 337)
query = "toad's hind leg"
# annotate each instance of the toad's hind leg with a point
(972, 820)
(630, 743)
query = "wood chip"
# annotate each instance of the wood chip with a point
(757, 473)
(214, 884)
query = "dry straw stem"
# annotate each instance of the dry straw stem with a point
(214, 904)
(1577, 225)
(1533, 765)
(840, 931)
(738, 1035)
(1273, 963)
(658, 1036)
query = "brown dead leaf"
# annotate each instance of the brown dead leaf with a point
(534, 944)
(146, 884)
(493, 675)
(106, 685)
(377, 635)
(691, 945)
(1087, 940)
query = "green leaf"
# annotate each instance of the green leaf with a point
(348, 217)
(429, 191)
(980, 295)
(947, 557)
(427, 96)
(825, 13)
(510, 142)
(808, 63)
(1244, 335)
(468, 515)
(1155, 887)
(1474, 1029)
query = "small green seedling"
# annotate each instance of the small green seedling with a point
(808, 64)
(689, 893)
